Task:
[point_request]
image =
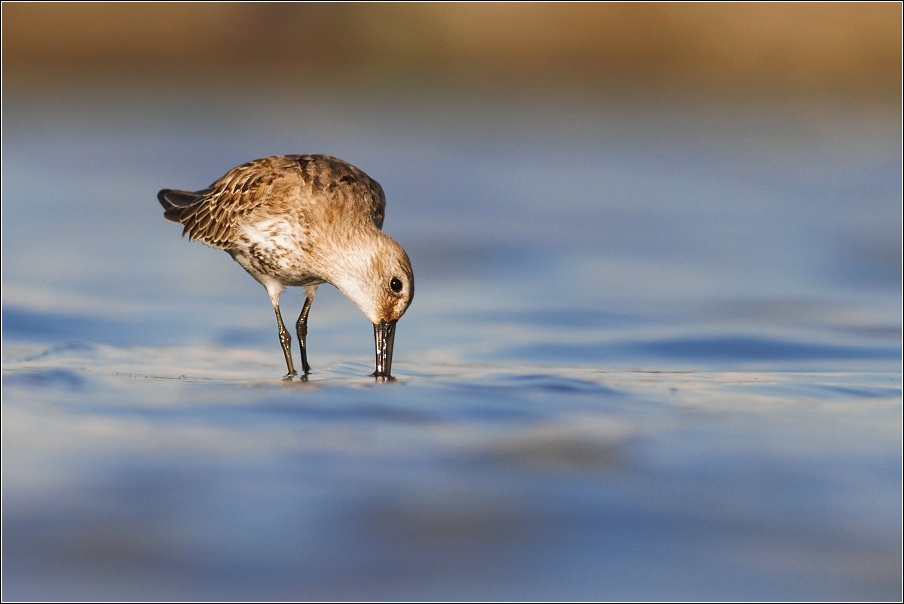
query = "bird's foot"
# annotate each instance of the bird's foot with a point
(305, 367)
(288, 377)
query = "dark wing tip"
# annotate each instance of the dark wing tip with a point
(161, 197)
(171, 198)
(173, 215)
(174, 202)
(171, 211)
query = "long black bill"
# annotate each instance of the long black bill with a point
(384, 336)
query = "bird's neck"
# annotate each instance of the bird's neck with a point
(352, 274)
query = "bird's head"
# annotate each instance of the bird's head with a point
(377, 276)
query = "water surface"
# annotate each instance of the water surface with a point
(655, 353)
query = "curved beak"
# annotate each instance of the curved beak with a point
(384, 336)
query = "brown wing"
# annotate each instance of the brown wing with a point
(212, 215)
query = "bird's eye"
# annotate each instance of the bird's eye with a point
(396, 284)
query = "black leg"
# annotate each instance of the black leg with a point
(301, 328)
(286, 341)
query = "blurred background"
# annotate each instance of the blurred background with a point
(738, 159)
(655, 351)
(837, 50)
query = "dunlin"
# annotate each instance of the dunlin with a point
(304, 220)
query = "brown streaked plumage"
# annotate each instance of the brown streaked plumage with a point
(304, 220)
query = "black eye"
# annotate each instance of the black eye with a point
(396, 285)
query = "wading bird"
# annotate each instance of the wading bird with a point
(304, 220)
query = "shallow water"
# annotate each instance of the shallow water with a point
(654, 353)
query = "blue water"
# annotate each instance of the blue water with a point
(654, 353)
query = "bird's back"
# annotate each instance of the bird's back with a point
(280, 186)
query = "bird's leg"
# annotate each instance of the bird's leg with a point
(301, 328)
(286, 340)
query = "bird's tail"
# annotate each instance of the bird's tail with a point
(174, 202)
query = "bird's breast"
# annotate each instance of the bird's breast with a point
(278, 249)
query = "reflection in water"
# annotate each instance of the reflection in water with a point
(655, 355)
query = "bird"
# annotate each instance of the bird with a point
(302, 221)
